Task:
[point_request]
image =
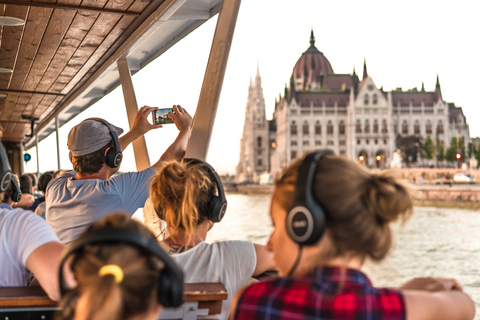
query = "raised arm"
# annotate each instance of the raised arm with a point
(43, 262)
(264, 260)
(176, 150)
(140, 127)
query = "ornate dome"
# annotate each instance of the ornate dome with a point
(310, 67)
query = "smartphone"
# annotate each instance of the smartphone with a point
(160, 116)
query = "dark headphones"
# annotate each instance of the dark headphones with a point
(5, 171)
(170, 280)
(306, 219)
(114, 155)
(218, 203)
(16, 195)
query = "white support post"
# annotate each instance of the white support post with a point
(203, 122)
(38, 159)
(22, 161)
(59, 167)
(139, 146)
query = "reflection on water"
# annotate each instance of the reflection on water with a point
(433, 242)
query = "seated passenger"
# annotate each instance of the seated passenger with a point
(119, 273)
(27, 243)
(26, 186)
(12, 194)
(189, 197)
(330, 215)
(42, 187)
(76, 199)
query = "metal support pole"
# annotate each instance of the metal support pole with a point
(59, 167)
(203, 122)
(22, 162)
(139, 146)
(38, 159)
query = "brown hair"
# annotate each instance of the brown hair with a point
(100, 297)
(181, 194)
(90, 163)
(358, 205)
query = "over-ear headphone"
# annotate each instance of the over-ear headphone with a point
(306, 218)
(218, 203)
(114, 155)
(16, 194)
(5, 171)
(170, 280)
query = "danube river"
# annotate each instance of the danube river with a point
(433, 242)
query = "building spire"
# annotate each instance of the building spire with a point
(423, 86)
(354, 73)
(437, 85)
(312, 39)
(365, 74)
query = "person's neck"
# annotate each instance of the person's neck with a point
(103, 174)
(179, 242)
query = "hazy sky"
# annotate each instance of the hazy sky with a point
(404, 43)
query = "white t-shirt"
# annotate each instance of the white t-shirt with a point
(229, 262)
(21, 233)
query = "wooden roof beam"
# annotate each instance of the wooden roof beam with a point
(69, 7)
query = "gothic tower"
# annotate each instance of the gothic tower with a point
(254, 146)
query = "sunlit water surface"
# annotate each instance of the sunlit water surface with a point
(433, 242)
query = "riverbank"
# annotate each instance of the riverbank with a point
(456, 196)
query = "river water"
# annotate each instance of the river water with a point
(441, 242)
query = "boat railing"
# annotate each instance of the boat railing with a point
(200, 299)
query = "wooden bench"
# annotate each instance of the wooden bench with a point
(33, 303)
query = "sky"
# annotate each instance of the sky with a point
(403, 43)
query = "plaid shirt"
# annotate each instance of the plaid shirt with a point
(327, 293)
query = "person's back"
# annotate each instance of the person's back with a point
(76, 199)
(189, 197)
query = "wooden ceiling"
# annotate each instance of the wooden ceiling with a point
(62, 44)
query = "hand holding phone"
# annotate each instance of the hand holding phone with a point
(160, 116)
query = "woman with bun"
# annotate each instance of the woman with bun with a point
(330, 215)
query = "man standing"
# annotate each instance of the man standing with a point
(76, 199)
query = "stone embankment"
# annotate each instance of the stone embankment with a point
(424, 194)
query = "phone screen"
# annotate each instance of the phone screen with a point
(160, 116)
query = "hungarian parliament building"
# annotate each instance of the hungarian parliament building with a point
(322, 109)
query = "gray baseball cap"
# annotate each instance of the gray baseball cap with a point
(89, 136)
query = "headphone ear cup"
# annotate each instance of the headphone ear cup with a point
(113, 158)
(169, 293)
(213, 210)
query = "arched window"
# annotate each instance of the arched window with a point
(318, 128)
(367, 126)
(305, 128)
(384, 126)
(404, 127)
(259, 142)
(293, 128)
(358, 126)
(428, 127)
(365, 99)
(329, 127)
(375, 126)
(416, 127)
(440, 127)
(341, 127)
(375, 99)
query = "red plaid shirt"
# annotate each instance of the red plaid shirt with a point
(327, 293)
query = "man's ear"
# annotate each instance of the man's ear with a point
(106, 151)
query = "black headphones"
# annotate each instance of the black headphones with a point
(218, 203)
(170, 280)
(306, 218)
(5, 171)
(16, 195)
(114, 155)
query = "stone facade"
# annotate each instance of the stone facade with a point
(323, 109)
